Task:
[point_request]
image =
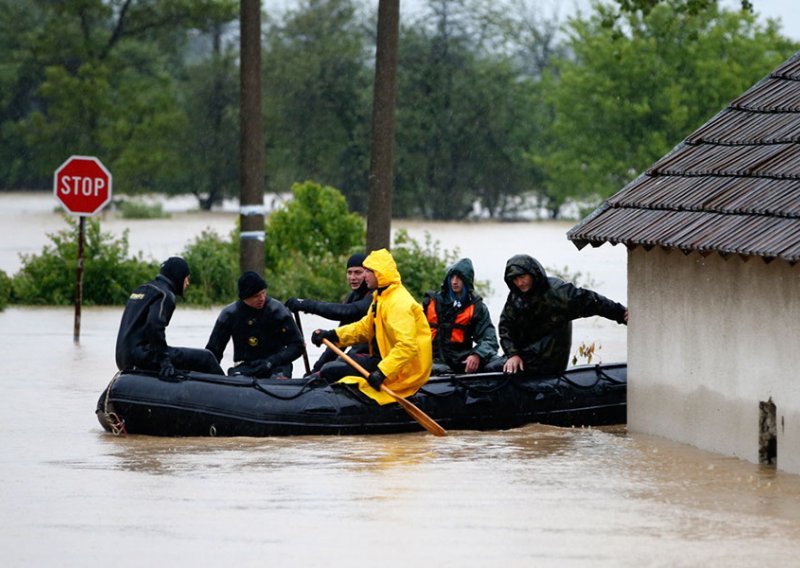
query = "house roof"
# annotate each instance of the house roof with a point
(732, 186)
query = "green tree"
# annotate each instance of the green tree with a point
(96, 77)
(621, 102)
(208, 143)
(466, 113)
(316, 99)
(612, 17)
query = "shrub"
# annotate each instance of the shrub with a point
(214, 262)
(421, 268)
(577, 278)
(108, 277)
(307, 245)
(308, 242)
(5, 289)
(140, 210)
(314, 223)
(321, 277)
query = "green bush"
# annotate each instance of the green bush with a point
(109, 274)
(307, 245)
(314, 223)
(577, 278)
(321, 277)
(140, 210)
(214, 263)
(421, 268)
(5, 289)
(308, 242)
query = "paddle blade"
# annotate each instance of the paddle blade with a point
(426, 421)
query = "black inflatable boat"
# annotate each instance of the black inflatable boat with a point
(213, 405)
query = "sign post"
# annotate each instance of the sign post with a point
(82, 184)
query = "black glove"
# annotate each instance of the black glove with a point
(376, 378)
(320, 334)
(294, 304)
(167, 370)
(252, 369)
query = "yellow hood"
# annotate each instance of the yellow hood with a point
(383, 265)
(400, 330)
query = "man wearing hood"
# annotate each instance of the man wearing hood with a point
(536, 322)
(353, 308)
(141, 341)
(463, 336)
(396, 331)
(265, 338)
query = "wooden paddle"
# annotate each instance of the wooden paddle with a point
(305, 351)
(427, 422)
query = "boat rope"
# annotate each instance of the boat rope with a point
(463, 382)
(566, 379)
(608, 377)
(307, 386)
(241, 382)
(114, 421)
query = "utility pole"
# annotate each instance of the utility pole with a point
(381, 166)
(251, 147)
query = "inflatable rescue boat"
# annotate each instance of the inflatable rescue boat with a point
(198, 404)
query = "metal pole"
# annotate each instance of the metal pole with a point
(76, 333)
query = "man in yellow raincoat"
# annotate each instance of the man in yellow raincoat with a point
(396, 330)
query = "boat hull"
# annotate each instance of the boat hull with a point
(211, 405)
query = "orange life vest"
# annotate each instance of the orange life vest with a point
(459, 325)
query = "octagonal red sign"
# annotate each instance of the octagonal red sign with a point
(83, 185)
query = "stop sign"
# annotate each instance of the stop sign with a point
(83, 185)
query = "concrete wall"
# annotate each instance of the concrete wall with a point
(708, 338)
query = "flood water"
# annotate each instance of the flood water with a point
(71, 494)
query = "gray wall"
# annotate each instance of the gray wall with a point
(709, 338)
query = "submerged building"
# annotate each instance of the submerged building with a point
(713, 237)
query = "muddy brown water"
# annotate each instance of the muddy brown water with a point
(71, 494)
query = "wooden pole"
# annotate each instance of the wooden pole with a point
(251, 194)
(381, 167)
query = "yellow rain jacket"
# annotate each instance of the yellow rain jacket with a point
(401, 331)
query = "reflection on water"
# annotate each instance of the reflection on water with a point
(533, 496)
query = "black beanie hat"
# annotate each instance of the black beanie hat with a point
(250, 284)
(356, 259)
(175, 269)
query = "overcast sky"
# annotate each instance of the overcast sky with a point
(787, 11)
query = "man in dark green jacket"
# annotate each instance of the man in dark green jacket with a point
(464, 339)
(536, 322)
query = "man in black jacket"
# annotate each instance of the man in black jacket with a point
(265, 338)
(536, 322)
(353, 308)
(141, 341)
